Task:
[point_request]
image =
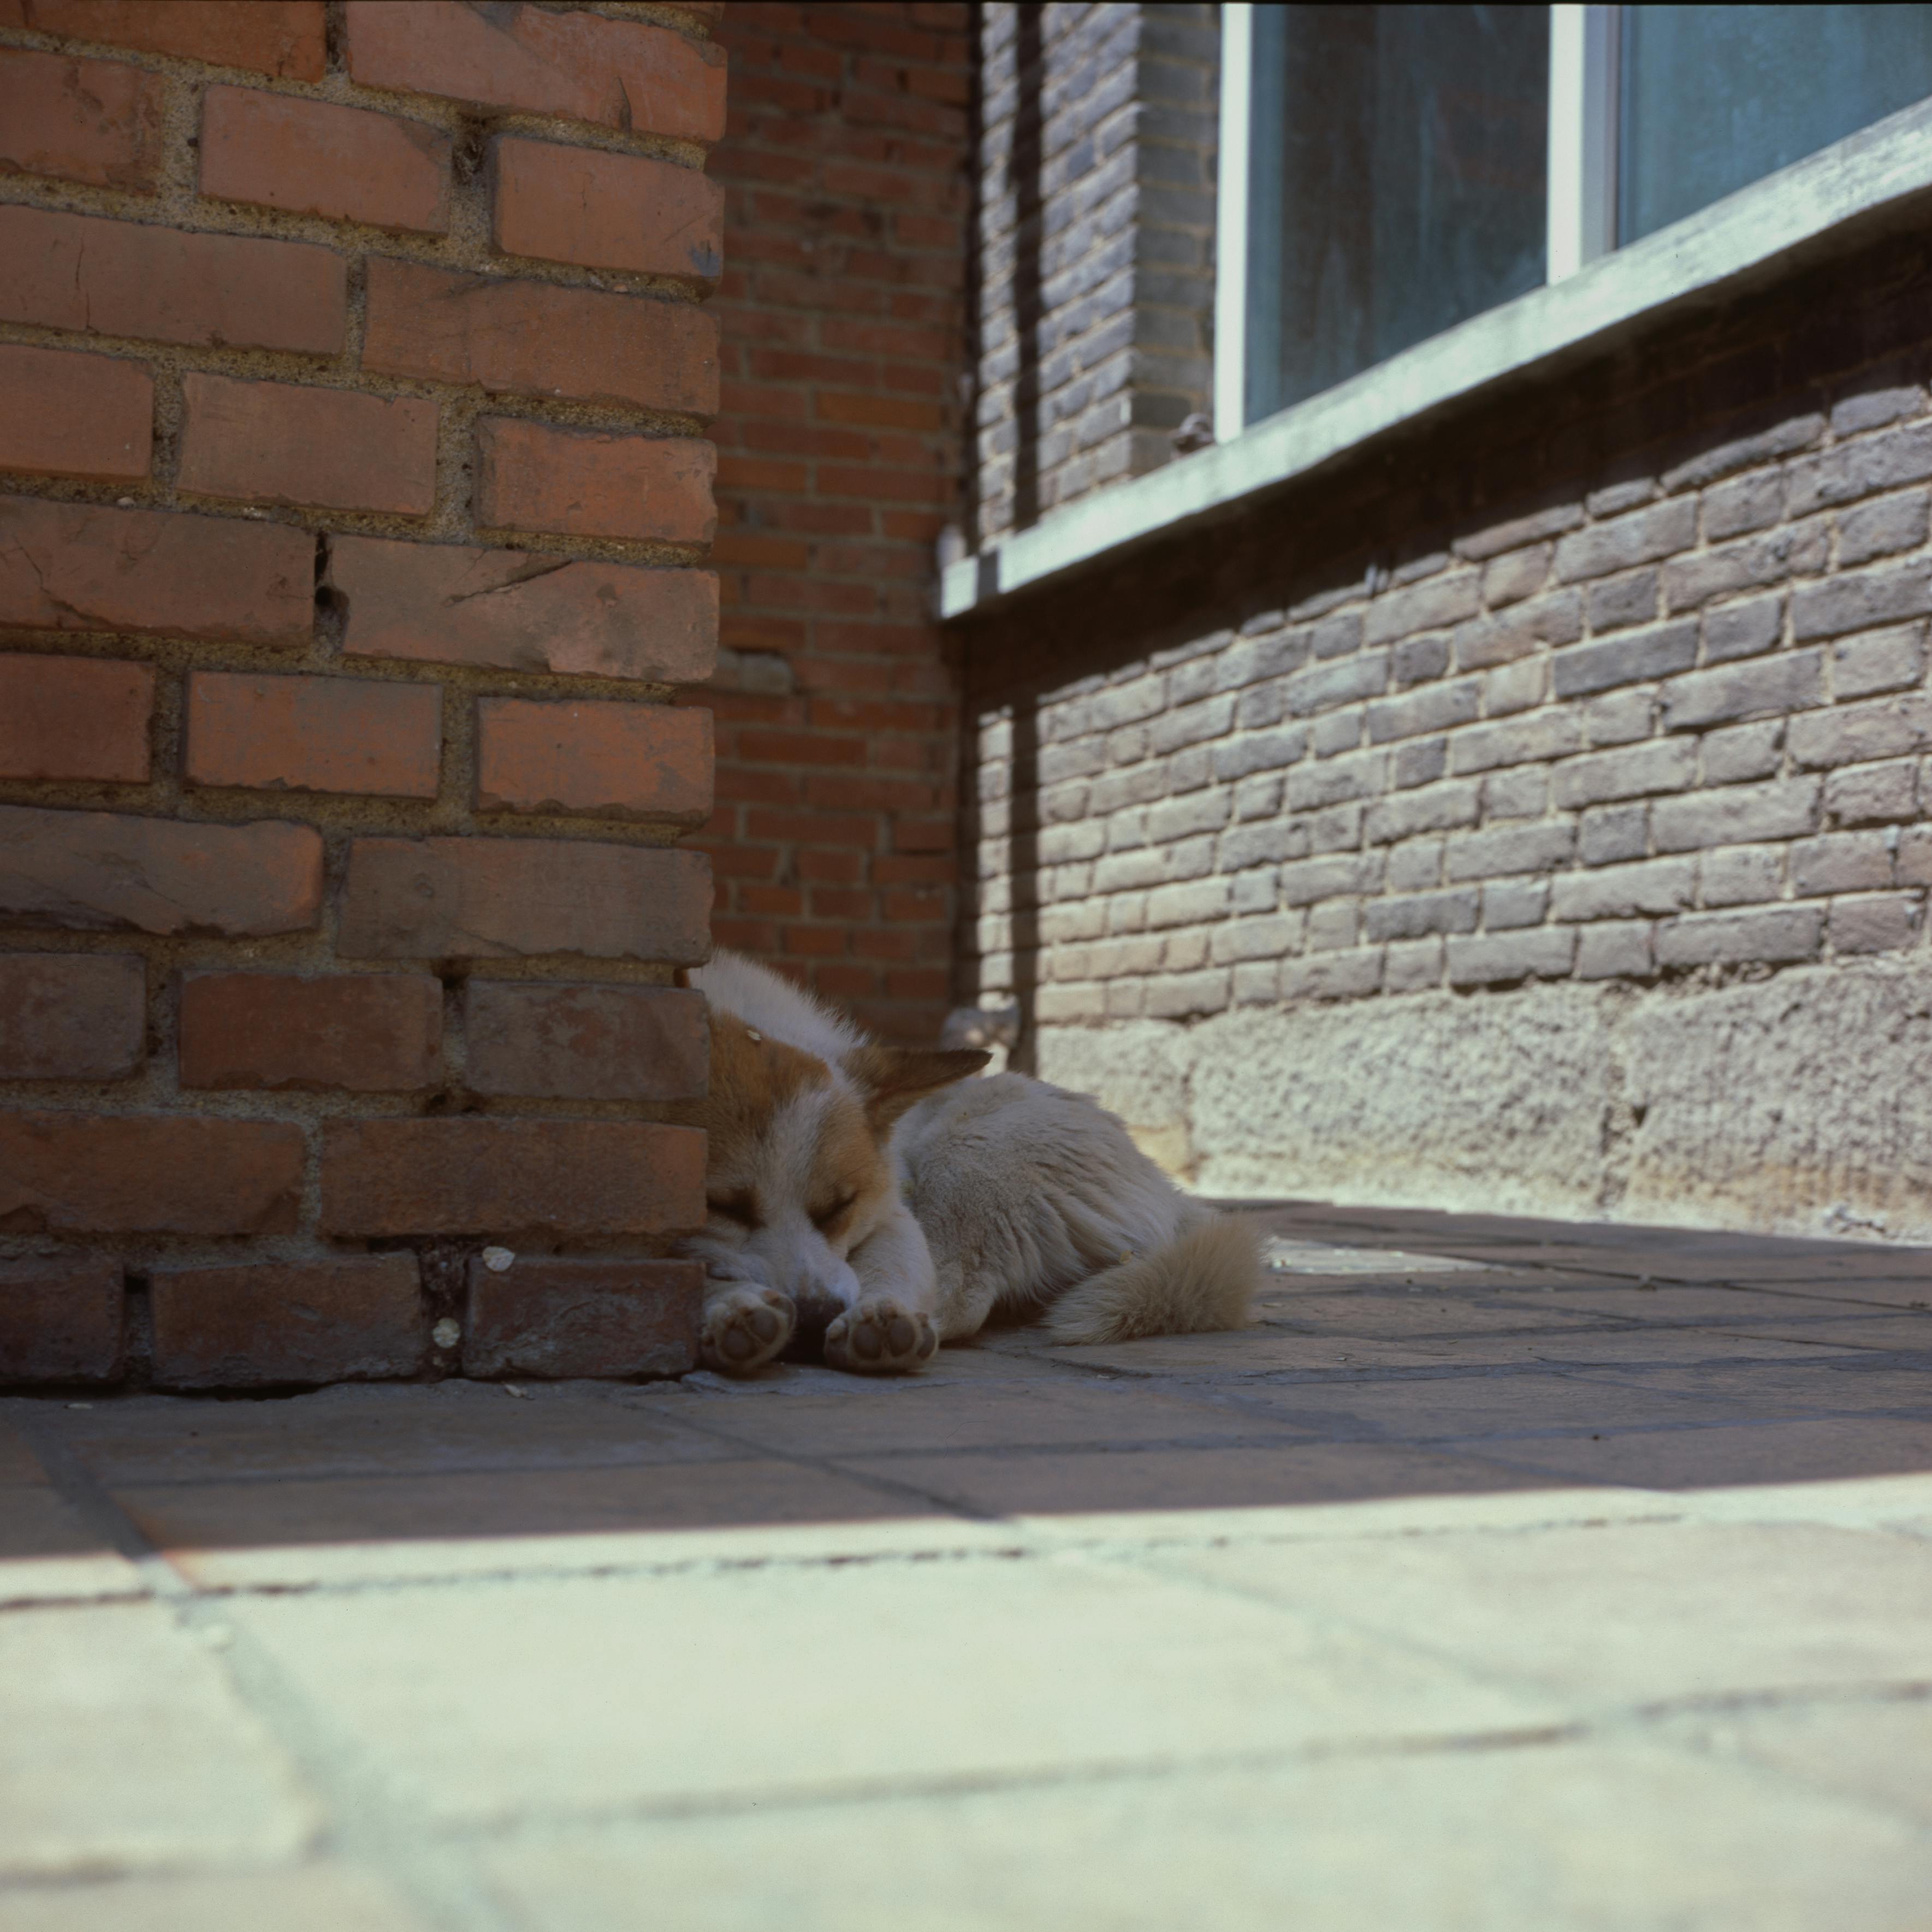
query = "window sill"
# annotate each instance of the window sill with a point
(1839, 197)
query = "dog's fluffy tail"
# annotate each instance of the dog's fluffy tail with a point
(1204, 1279)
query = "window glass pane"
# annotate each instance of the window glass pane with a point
(1715, 96)
(1398, 169)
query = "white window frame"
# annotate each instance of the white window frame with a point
(1584, 45)
(1595, 295)
(1581, 197)
(1231, 223)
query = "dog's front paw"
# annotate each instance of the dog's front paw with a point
(744, 1328)
(881, 1337)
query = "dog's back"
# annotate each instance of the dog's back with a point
(1035, 1201)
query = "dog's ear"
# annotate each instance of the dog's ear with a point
(893, 1077)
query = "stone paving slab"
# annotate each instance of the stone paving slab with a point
(1859, 1384)
(296, 1534)
(311, 1898)
(1583, 1833)
(125, 1746)
(1505, 1574)
(1825, 1449)
(382, 1429)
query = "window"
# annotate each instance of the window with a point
(1714, 97)
(1396, 183)
(1389, 171)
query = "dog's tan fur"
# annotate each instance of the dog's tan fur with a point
(807, 1234)
(1028, 1198)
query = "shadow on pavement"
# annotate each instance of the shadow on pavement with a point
(1396, 1354)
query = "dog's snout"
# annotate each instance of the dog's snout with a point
(818, 1310)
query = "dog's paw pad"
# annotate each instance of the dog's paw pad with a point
(881, 1338)
(745, 1328)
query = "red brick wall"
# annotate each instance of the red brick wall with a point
(845, 165)
(353, 488)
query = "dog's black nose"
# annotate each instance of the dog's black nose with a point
(817, 1311)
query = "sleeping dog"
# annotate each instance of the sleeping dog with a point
(861, 1198)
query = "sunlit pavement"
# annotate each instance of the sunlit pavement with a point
(1507, 1574)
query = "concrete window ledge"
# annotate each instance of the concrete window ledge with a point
(1839, 198)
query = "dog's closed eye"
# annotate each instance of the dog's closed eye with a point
(741, 1207)
(828, 1217)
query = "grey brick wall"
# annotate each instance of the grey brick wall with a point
(1679, 724)
(1095, 275)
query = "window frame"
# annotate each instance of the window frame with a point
(1585, 46)
(1580, 199)
(1876, 181)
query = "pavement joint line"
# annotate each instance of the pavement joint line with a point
(1604, 1431)
(883, 1485)
(1281, 1432)
(1863, 1347)
(1642, 1719)
(365, 1820)
(1036, 1538)
(1472, 1670)
(326, 1473)
(989, 1782)
(1809, 1696)
(690, 1566)
(1742, 1328)
(1370, 1371)
(1786, 1290)
(1616, 1720)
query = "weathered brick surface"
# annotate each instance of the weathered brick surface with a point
(546, 1179)
(91, 121)
(1623, 949)
(628, 74)
(449, 604)
(262, 265)
(535, 339)
(75, 718)
(76, 271)
(587, 1042)
(839, 435)
(1773, 934)
(1783, 808)
(359, 1319)
(606, 210)
(512, 897)
(1096, 212)
(1888, 660)
(593, 761)
(589, 483)
(61, 1320)
(1671, 718)
(1491, 958)
(542, 1318)
(88, 416)
(1840, 861)
(1791, 682)
(106, 871)
(84, 1173)
(78, 567)
(331, 734)
(1641, 654)
(364, 1033)
(71, 1015)
(313, 158)
(1884, 922)
(1616, 892)
(282, 38)
(273, 442)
